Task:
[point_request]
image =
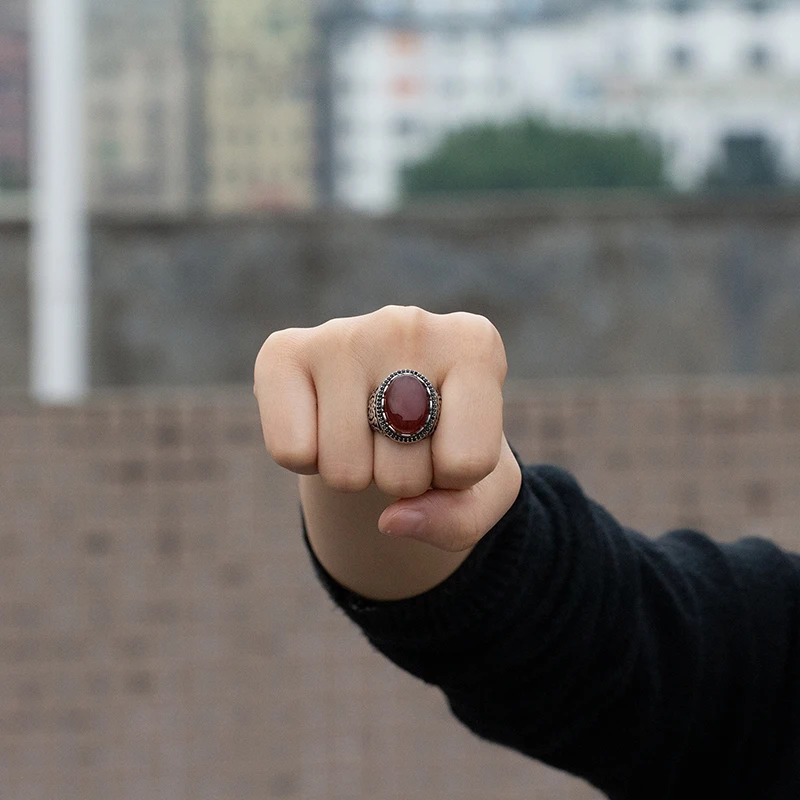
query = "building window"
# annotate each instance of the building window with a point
(499, 40)
(276, 24)
(454, 35)
(406, 42)
(681, 58)
(155, 67)
(622, 58)
(585, 88)
(747, 160)
(343, 85)
(405, 126)
(109, 66)
(109, 151)
(405, 87)
(452, 87)
(299, 88)
(759, 58)
(105, 112)
(500, 86)
(344, 167)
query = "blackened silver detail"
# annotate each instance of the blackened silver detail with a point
(377, 415)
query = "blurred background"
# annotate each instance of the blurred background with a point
(614, 183)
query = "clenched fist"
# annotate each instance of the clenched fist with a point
(313, 384)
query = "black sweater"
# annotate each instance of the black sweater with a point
(665, 668)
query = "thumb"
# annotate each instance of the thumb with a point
(455, 520)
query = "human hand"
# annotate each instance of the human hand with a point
(312, 386)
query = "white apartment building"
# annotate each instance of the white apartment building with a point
(702, 78)
(424, 8)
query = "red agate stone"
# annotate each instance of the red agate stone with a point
(405, 403)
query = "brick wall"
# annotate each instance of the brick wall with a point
(161, 635)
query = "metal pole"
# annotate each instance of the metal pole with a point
(59, 365)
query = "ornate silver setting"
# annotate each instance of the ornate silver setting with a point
(377, 415)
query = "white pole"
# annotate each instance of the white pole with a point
(59, 276)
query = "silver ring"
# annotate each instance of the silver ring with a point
(405, 407)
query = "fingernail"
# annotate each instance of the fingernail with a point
(405, 523)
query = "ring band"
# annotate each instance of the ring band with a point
(405, 407)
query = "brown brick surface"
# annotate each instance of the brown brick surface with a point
(161, 634)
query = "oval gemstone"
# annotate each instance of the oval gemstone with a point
(405, 403)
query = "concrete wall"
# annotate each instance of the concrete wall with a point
(605, 285)
(162, 635)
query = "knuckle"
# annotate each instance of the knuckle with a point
(279, 339)
(262, 361)
(487, 332)
(346, 477)
(457, 540)
(292, 458)
(483, 341)
(341, 340)
(401, 317)
(403, 329)
(385, 316)
(332, 328)
(467, 534)
(352, 340)
(465, 469)
(278, 346)
(403, 485)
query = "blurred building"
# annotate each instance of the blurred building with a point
(191, 104)
(450, 7)
(14, 80)
(716, 83)
(201, 104)
(140, 115)
(259, 104)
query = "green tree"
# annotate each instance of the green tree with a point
(531, 154)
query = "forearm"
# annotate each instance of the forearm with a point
(631, 662)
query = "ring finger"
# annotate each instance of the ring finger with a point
(402, 469)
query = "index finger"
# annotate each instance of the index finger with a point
(287, 402)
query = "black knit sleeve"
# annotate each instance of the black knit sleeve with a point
(663, 668)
